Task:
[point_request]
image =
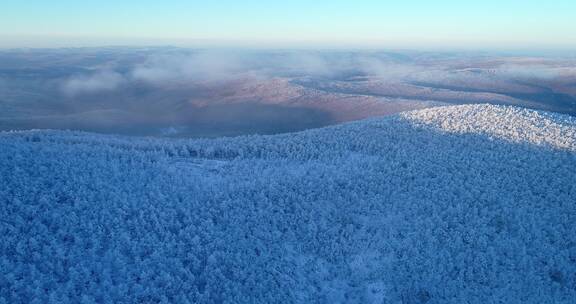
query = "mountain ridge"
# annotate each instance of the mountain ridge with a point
(469, 203)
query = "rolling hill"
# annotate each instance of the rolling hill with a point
(458, 204)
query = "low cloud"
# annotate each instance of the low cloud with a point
(204, 66)
(88, 84)
(225, 65)
(392, 72)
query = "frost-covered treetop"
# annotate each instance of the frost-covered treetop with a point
(463, 204)
(503, 122)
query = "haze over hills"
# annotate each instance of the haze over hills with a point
(213, 92)
(469, 203)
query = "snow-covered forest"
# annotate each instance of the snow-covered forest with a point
(460, 204)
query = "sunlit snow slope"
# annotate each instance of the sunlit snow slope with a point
(463, 204)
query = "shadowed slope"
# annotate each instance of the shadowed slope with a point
(455, 204)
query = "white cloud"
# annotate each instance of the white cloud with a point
(199, 66)
(99, 82)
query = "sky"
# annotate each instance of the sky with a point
(362, 23)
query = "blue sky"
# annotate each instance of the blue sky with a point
(417, 23)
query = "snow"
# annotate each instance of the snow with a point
(461, 204)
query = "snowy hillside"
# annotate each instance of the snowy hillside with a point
(461, 204)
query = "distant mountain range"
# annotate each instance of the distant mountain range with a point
(190, 92)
